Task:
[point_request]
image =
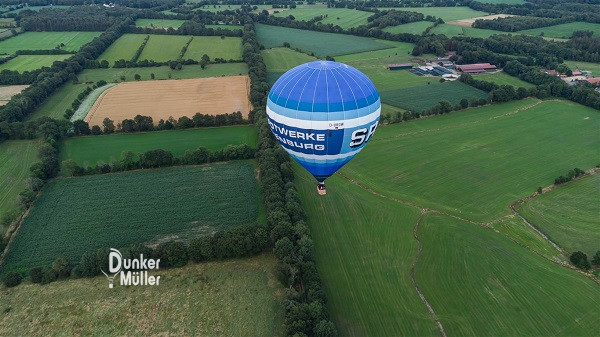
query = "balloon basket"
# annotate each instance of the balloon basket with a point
(321, 189)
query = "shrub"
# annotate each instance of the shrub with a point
(36, 274)
(12, 279)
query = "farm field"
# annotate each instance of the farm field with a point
(123, 49)
(516, 2)
(108, 148)
(411, 28)
(46, 40)
(76, 215)
(163, 72)
(396, 53)
(502, 78)
(480, 283)
(176, 98)
(230, 27)
(470, 21)
(55, 105)
(220, 8)
(564, 30)
(516, 229)
(569, 214)
(215, 47)
(200, 299)
(37, 8)
(343, 17)
(16, 156)
(159, 23)
(163, 48)
(8, 91)
(469, 169)
(446, 13)
(577, 65)
(364, 248)
(23, 63)
(321, 44)
(280, 60)
(452, 30)
(422, 97)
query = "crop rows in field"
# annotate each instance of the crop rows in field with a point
(343, 17)
(423, 97)
(23, 63)
(159, 23)
(46, 40)
(76, 215)
(564, 30)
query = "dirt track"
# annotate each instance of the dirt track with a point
(176, 98)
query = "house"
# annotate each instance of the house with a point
(475, 68)
(592, 80)
(549, 72)
(576, 73)
(399, 66)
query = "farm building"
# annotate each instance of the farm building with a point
(399, 66)
(475, 68)
(593, 81)
(549, 72)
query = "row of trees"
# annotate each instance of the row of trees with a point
(516, 23)
(580, 260)
(160, 158)
(574, 173)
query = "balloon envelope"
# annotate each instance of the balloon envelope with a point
(323, 113)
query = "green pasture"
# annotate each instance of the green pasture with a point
(446, 13)
(410, 28)
(23, 63)
(163, 72)
(481, 284)
(283, 59)
(108, 148)
(61, 100)
(588, 66)
(516, 229)
(453, 30)
(46, 41)
(321, 44)
(343, 17)
(200, 299)
(229, 27)
(163, 48)
(467, 163)
(502, 78)
(76, 215)
(398, 52)
(123, 49)
(569, 214)
(159, 23)
(423, 97)
(564, 30)
(215, 47)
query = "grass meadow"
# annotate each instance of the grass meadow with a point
(411, 28)
(23, 63)
(343, 17)
(229, 27)
(215, 47)
(159, 23)
(238, 297)
(47, 40)
(76, 215)
(422, 97)
(502, 78)
(55, 105)
(564, 30)
(480, 283)
(16, 156)
(588, 66)
(280, 60)
(467, 163)
(398, 52)
(108, 148)
(124, 48)
(321, 44)
(452, 30)
(446, 13)
(163, 48)
(569, 214)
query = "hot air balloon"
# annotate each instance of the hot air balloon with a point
(323, 113)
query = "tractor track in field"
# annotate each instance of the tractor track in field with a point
(414, 279)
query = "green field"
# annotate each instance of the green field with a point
(446, 13)
(569, 215)
(515, 2)
(200, 299)
(37, 8)
(16, 156)
(46, 40)
(108, 148)
(398, 52)
(161, 48)
(229, 27)
(466, 163)
(422, 97)
(75, 215)
(483, 285)
(321, 44)
(411, 28)
(564, 30)
(280, 60)
(55, 105)
(159, 23)
(215, 47)
(516, 229)
(588, 66)
(123, 49)
(23, 63)
(452, 30)
(219, 8)
(163, 72)
(502, 78)
(364, 248)
(343, 17)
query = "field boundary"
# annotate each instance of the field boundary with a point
(88, 102)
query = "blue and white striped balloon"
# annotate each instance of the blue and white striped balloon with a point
(323, 113)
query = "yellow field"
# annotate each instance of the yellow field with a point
(176, 98)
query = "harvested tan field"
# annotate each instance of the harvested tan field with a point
(469, 22)
(172, 98)
(6, 92)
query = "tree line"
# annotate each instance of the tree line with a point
(516, 23)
